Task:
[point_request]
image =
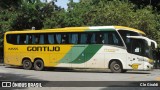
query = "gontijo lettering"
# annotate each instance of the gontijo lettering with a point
(43, 48)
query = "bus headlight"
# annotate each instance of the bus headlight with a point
(151, 61)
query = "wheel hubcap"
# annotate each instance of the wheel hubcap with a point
(39, 65)
(26, 64)
(116, 67)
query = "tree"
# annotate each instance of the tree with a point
(143, 3)
(10, 4)
(33, 13)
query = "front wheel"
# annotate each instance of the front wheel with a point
(38, 65)
(116, 67)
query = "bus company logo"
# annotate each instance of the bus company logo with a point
(43, 48)
(6, 84)
(12, 48)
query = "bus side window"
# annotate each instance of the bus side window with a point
(83, 38)
(99, 38)
(106, 40)
(46, 39)
(58, 38)
(35, 39)
(110, 39)
(51, 39)
(73, 38)
(114, 39)
(12, 39)
(93, 38)
(22, 39)
(18, 37)
(28, 39)
(65, 38)
(41, 40)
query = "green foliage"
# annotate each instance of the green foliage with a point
(29, 15)
(6, 20)
(10, 4)
(56, 20)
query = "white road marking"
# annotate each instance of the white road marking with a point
(3, 71)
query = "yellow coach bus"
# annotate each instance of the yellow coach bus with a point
(79, 47)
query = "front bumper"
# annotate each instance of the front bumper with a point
(148, 66)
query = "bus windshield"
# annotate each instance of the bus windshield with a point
(140, 47)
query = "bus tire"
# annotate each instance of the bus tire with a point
(27, 64)
(116, 67)
(38, 65)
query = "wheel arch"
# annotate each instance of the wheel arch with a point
(26, 58)
(118, 60)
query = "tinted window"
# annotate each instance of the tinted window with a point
(73, 38)
(83, 38)
(138, 47)
(21, 39)
(99, 38)
(58, 38)
(12, 39)
(65, 38)
(111, 38)
(93, 38)
(125, 33)
(51, 38)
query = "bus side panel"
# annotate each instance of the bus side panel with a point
(50, 54)
(93, 56)
(51, 58)
(102, 58)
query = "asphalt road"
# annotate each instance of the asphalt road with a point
(8, 73)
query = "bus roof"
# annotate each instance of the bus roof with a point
(129, 29)
(79, 29)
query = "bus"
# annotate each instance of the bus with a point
(77, 47)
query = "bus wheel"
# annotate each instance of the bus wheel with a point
(27, 64)
(116, 67)
(38, 65)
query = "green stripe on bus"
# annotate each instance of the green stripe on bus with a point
(75, 51)
(87, 54)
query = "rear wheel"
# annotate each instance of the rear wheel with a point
(27, 64)
(116, 67)
(38, 65)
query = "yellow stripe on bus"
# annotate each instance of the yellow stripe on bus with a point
(129, 29)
